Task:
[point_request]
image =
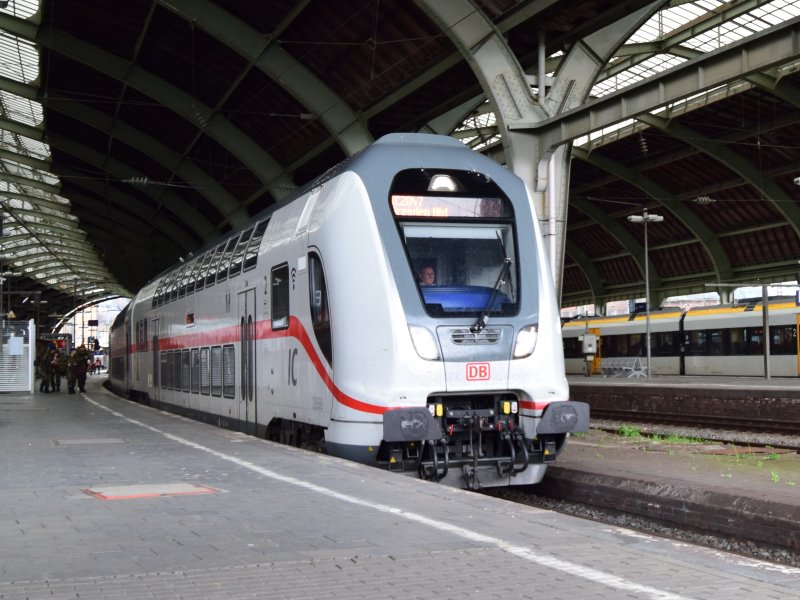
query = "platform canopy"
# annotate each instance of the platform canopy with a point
(133, 133)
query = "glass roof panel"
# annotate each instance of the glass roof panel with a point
(40, 235)
(19, 59)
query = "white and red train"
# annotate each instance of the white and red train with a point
(310, 326)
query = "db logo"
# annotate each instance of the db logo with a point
(478, 372)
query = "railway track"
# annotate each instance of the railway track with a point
(703, 421)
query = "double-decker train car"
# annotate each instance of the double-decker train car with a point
(311, 325)
(707, 340)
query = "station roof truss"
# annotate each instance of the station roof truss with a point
(134, 133)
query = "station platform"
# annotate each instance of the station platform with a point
(105, 498)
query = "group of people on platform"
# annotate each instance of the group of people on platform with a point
(52, 365)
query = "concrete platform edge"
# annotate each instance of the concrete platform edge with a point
(715, 512)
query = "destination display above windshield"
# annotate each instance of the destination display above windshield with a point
(441, 207)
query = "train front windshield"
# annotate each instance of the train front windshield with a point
(458, 231)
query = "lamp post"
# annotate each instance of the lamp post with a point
(646, 218)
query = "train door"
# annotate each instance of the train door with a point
(796, 340)
(247, 361)
(156, 382)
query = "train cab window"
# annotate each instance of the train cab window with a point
(238, 253)
(225, 261)
(458, 226)
(318, 302)
(211, 274)
(205, 375)
(251, 256)
(228, 371)
(279, 284)
(216, 370)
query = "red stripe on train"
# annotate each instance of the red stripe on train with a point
(264, 331)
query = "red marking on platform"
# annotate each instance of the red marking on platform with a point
(132, 492)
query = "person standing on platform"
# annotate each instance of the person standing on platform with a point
(55, 370)
(80, 359)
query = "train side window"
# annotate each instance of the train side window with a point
(754, 340)
(228, 371)
(714, 340)
(783, 340)
(211, 275)
(191, 276)
(238, 254)
(224, 263)
(200, 272)
(572, 348)
(183, 278)
(157, 295)
(280, 296)
(736, 338)
(608, 343)
(195, 371)
(173, 285)
(164, 364)
(216, 370)
(697, 343)
(186, 365)
(320, 310)
(205, 376)
(251, 256)
(176, 370)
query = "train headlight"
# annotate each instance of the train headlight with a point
(526, 341)
(424, 342)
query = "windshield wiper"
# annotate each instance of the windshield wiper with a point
(479, 325)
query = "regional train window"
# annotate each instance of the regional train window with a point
(186, 366)
(228, 371)
(183, 278)
(318, 302)
(205, 376)
(216, 370)
(192, 275)
(211, 275)
(165, 372)
(238, 254)
(173, 286)
(195, 371)
(697, 343)
(224, 263)
(157, 298)
(176, 370)
(280, 297)
(573, 348)
(251, 256)
(200, 272)
(784, 339)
